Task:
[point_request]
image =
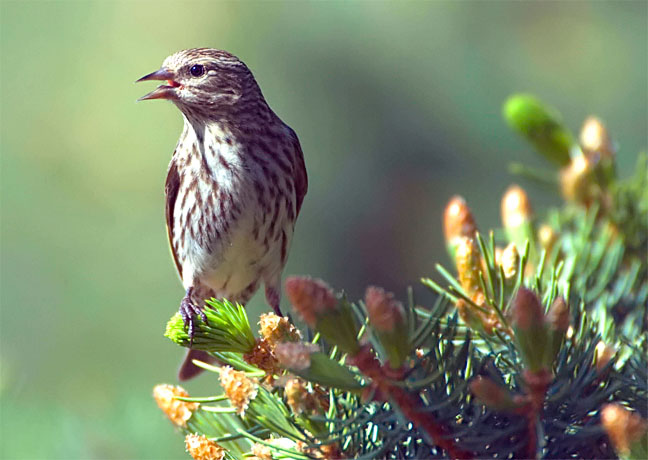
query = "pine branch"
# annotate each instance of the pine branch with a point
(536, 347)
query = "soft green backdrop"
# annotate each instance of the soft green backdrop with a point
(397, 106)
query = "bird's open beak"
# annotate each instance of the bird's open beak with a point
(163, 91)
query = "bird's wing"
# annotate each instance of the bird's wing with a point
(171, 187)
(301, 177)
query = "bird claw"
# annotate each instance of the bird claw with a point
(189, 312)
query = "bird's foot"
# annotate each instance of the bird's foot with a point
(189, 312)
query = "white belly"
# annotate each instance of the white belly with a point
(240, 259)
(224, 238)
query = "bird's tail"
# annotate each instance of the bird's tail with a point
(188, 369)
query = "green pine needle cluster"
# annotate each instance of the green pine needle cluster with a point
(227, 329)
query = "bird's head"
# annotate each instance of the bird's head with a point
(204, 82)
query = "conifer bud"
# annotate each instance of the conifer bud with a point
(468, 261)
(491, 394)
(516, 207)
(178, 411)
(321, 451)
(599, 150)
(604, 355)
(530, 330)
(387, 317)
(547, 237)
(239, 388)
(594, 138)
(386, 314)
(558, 316)
(626, 429)
(295, 355)
(299, 398)
(263, 357)
(557, 320)
(469, 267)
(201, 448)
(315, 301)
(577, 180)
(541, 126)
(276, 329)
(498, 256)
(517, 218)
(261, 452)
(311, 298)
(526, 310)
(510, 261)
(458, 222)
(296, 394)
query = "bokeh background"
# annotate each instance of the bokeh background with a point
(397, 106)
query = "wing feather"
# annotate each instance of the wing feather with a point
(301, 177)
(171, 187)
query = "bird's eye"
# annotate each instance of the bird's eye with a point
(197, 70)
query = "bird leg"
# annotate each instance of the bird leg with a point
(273, 298)
(189, 311)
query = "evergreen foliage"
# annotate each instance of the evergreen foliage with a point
(535, 348)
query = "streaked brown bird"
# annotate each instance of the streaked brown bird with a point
(234, 187)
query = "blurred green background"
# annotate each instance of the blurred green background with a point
(397, 106)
